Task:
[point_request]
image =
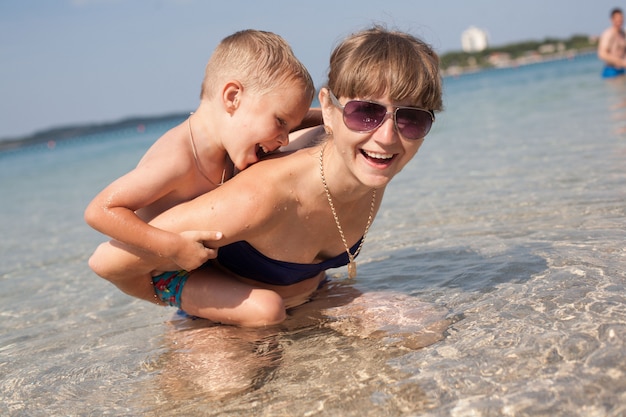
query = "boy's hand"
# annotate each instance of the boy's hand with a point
(197, 248)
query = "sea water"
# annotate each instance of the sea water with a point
(511, 218)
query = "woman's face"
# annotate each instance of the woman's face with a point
(375, 157)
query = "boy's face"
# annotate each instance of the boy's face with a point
(262, 122)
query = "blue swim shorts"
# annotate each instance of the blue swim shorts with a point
(610, 72)
(168, 286)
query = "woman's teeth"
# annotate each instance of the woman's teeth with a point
(376, 155)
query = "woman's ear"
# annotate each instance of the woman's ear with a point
(231, 95)
(327, 107)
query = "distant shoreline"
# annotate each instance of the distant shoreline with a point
(519, 63)
(54, 135)
(516, 54)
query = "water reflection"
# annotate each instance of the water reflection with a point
(212, 362)
(216, 362)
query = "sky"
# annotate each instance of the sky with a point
(65, 62)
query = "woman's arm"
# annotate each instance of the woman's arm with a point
(242, 208)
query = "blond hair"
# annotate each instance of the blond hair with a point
(260, 60)
(377, 62)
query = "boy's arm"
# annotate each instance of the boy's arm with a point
(312, 118)
(304, 138)
(240, 208)
(112, 212)
(243, 211)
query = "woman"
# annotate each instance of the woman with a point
(286, 220)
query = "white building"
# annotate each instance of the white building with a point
(474, 39)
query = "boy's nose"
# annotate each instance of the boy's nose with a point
(283, 139)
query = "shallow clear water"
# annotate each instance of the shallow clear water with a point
(511, 220)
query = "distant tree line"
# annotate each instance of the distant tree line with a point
(515, 50)
(75, 131)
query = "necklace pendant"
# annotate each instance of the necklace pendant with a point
(351, 262)
(352, 270)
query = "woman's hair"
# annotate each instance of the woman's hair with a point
(260, 60)
(377, 62)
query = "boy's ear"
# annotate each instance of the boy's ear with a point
(231, 95)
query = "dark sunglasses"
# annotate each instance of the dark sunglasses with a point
(364, 116)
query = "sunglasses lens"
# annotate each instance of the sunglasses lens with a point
(413, 123)
(363, 116)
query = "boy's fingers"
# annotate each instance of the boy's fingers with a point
(211, 235)
(209, 238)
(204, 237)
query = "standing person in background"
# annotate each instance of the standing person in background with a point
(254, 92)
(612, 46)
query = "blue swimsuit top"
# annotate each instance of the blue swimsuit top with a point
(244, 260)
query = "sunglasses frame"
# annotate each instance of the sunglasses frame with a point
(342, 107)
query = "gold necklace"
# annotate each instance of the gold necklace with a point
(195, 157)
(352, 263)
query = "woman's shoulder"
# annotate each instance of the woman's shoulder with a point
(287, 160)
(279, 179)
(278, 168)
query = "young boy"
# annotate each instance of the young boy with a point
(255, 91)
